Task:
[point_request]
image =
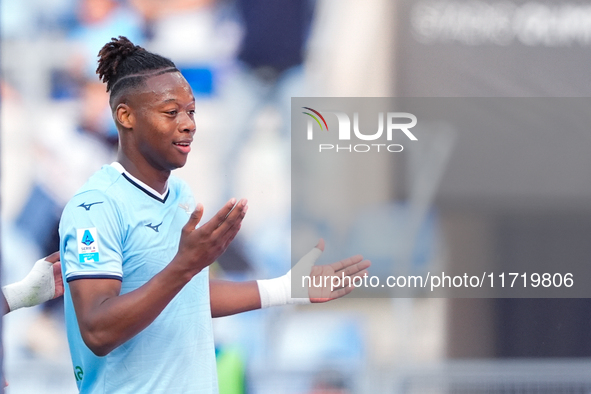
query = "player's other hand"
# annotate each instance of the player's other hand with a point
(199, 247)
(54, 259)
(44, 282)
(344, 270)
(323, 283)
(313, 283)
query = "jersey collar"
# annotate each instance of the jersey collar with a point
(141, 185)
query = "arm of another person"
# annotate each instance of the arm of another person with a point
(43, 283)
(228, 298)
(108, 319)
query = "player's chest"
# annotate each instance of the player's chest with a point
(155, 229)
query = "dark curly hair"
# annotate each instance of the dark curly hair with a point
(122, 65)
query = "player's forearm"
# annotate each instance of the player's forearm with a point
(228, 298)
(115, 319)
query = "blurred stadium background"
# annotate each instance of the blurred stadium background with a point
(244, 60)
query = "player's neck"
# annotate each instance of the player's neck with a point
(157, 180)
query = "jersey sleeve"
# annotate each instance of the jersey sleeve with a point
(91, 237)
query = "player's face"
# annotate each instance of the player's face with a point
(164, 124)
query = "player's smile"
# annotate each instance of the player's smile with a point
(184, 145)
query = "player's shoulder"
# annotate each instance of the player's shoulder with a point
(99, 189)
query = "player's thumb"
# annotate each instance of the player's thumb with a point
(194, 219)
(305, 264)
(53, 258)
(301, 270)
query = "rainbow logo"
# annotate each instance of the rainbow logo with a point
(315, 118)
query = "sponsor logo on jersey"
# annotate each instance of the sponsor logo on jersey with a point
(88, 248)
(88, 206)
(154, 227)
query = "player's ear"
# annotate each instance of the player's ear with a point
(124, 116)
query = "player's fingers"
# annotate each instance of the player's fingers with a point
(353, 269)
(233, 219)
(343, 291)
(220, 216)
(231, 230)
(53, 258)
(320, 244)
(350, 283)
(58, 280)
(339, 265)
(344, 288)
(230, 235)
(194, 219)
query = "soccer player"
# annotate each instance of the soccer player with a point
(43, 283)
(138, 299)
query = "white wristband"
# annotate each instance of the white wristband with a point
(275, 292)
(37, 287)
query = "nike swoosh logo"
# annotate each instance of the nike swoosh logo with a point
(87, 206)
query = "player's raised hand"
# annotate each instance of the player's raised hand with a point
(340, 278)
(314, 283)
(330, 281)
(199, 247)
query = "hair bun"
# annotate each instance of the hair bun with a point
(111, 55)
(122, 64)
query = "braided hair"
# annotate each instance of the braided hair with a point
(123, 65)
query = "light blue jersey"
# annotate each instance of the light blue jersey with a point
(116, 227)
